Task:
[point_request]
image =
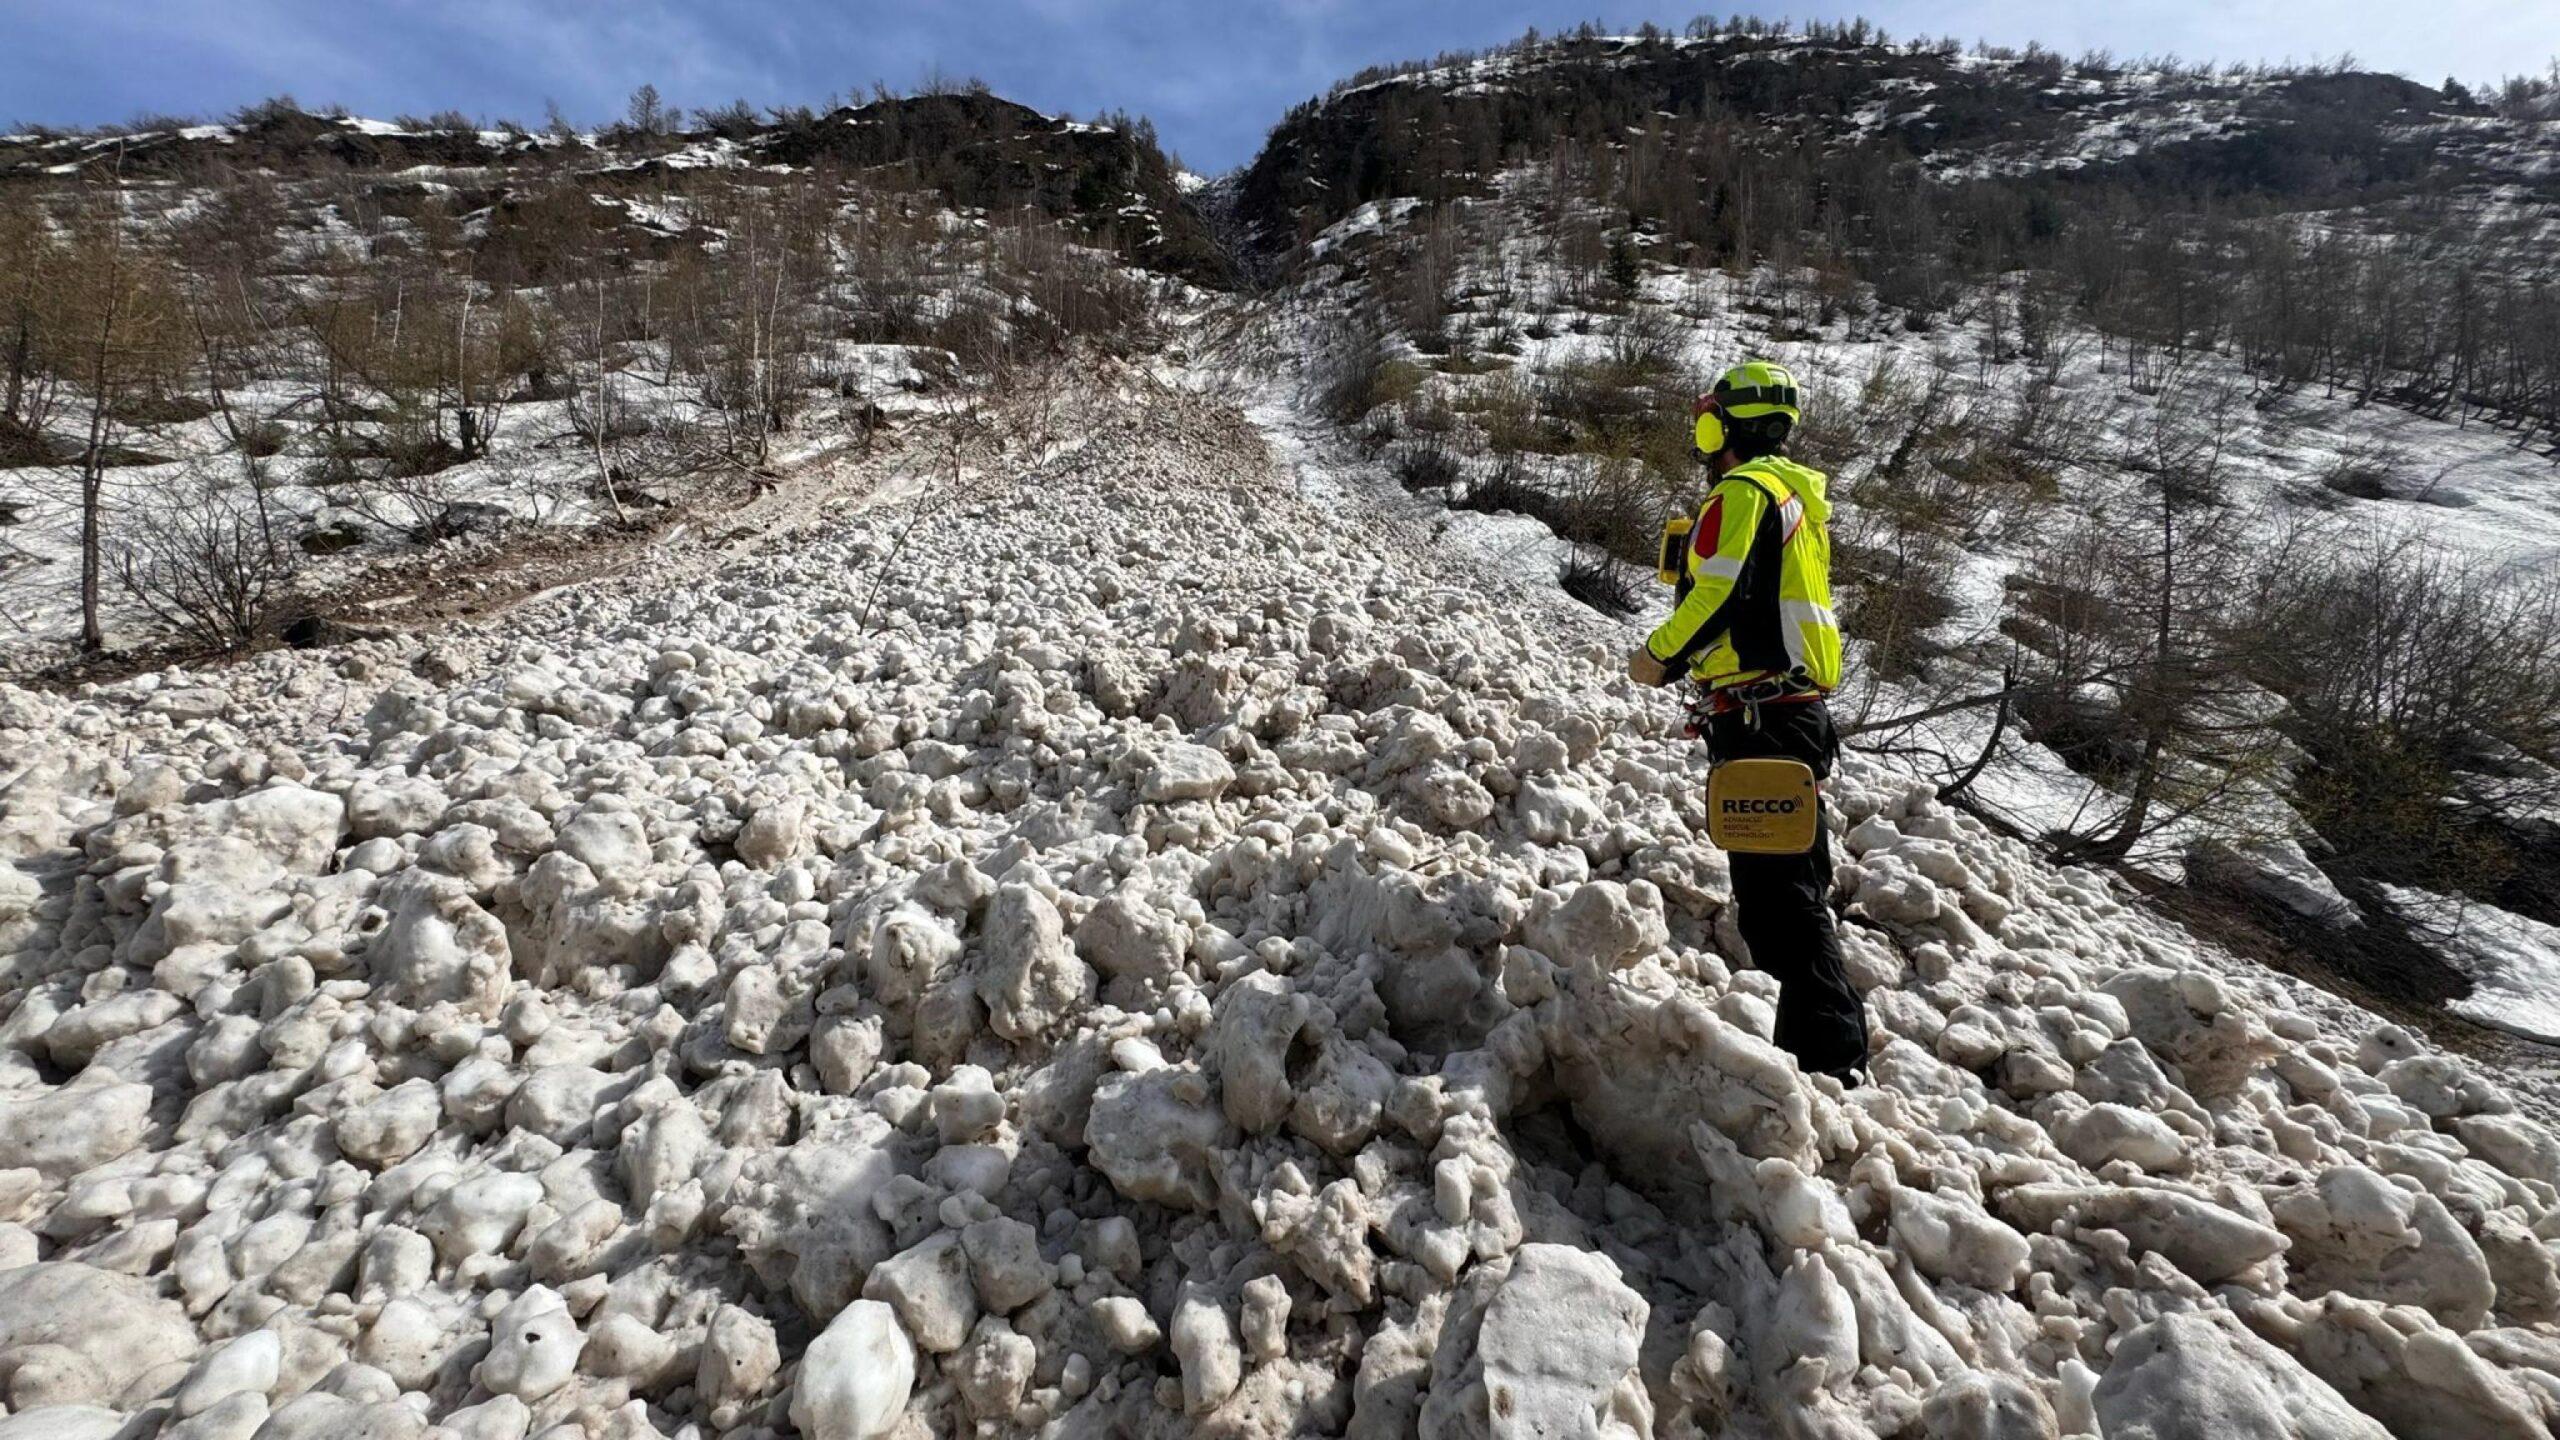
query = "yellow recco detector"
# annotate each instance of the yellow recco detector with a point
(1762, 807)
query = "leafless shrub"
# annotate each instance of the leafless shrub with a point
(1893, 597)
(1074, 292)
(1357, 371)
(885, 281)
(1428, 467)
(1507, 409)
(2407, 676)
(422, 506)
(1617, 506)
(412, 447)
(203, 564)
(1646, 343)
(1505, 491)
(1428, 412)
(746, 326)
(2365, 471)
(1426, 273)
(1597, 579)
(263, 440)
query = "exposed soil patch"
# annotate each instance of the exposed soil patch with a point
(429, 589)
(2378, 965)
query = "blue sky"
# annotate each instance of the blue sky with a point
(1213, 76)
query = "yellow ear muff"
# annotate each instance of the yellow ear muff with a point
(1710, 432)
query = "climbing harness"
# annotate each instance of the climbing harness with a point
(1705, 703)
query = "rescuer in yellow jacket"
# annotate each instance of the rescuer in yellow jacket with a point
(1753, 630)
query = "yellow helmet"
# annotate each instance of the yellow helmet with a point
(1748, 391)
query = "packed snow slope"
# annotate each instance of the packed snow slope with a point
(1103, 933)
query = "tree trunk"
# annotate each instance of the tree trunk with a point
(2137, 812)
(93, 466)
(21, 350)
(93, 635)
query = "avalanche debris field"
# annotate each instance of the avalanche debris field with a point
(1132, 938)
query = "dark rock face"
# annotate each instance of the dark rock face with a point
(2297, 141)
(984, 152)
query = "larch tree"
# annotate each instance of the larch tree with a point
(119, 299)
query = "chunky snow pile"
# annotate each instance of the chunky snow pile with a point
(1112, 945)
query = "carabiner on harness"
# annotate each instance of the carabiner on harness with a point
(1706, 703)
(1700, 705)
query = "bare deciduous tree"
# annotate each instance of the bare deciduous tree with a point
(118, 298)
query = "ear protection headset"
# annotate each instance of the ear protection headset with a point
(1708, 415)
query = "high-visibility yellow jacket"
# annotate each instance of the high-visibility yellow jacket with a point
(1756, 601)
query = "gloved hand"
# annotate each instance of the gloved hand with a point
(1643, 669)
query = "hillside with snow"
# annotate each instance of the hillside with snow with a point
(861, 808)
(972, 149)
(2376, 153)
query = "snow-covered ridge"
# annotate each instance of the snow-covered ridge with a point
(1971, 114)
(1108, 929)
(927, 131)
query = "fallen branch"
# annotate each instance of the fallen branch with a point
(1998, 697)
(1990, 747)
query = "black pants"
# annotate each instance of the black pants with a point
(1783, 902)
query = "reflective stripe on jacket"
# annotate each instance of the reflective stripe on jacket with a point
(1756, 601)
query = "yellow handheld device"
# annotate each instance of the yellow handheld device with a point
(1675, 549)
(1762, 807)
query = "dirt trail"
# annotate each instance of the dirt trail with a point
(684, 541)
(434, 590)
